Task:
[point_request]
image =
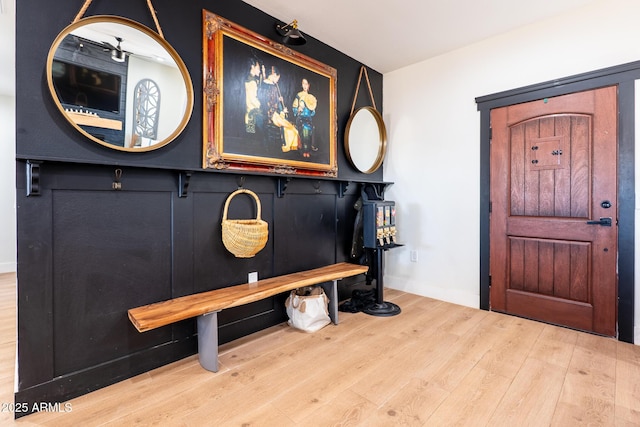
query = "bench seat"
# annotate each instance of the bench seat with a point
(206, 305)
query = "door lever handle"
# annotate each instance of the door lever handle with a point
(606, 222)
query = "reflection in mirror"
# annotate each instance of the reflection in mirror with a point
(366, 139)
(108, 75)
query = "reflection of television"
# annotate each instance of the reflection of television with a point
(86, 88)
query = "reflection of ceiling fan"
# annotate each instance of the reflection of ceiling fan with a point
(117, 54)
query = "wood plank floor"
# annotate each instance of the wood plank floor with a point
(436, 364)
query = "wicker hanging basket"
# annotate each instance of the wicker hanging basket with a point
(244, 237)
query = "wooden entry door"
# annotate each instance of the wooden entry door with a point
(553, 254)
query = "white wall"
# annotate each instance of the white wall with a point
(7, 141)
(434, 137)
(8, 186)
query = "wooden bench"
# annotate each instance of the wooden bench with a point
(206, 305)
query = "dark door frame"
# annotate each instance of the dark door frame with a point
(624, 77)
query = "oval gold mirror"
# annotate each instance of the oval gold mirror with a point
(366, 139)
(119, 83)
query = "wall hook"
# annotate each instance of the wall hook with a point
(240, 181)
(116, 184)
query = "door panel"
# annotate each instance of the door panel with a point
(553, 163)
(550, 174)
(568, 276)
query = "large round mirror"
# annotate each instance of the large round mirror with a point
(366, 139)
(119, 83)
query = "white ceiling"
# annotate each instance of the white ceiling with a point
(387, 35)
(384, 35)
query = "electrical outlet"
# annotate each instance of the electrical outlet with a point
(413, 256)
(253, 276)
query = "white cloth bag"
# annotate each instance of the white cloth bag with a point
(308, 313)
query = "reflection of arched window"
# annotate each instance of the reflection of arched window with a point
(146, 108)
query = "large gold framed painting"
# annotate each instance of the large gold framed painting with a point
(268, 108)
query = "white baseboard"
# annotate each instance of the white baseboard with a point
(454, 296)
(636, 335)
(8, 267)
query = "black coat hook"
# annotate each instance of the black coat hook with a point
(117, 185)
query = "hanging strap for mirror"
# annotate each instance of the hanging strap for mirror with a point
(86, 4)
(363, 70)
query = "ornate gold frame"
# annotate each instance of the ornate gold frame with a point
(227, 145)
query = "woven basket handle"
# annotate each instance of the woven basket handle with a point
(242, 190)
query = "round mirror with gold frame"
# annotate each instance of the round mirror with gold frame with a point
(119, 83)
(366, 139)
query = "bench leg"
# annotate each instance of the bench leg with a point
(331, 289)
(208, 341)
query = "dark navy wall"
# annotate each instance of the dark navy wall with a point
(88, 253)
